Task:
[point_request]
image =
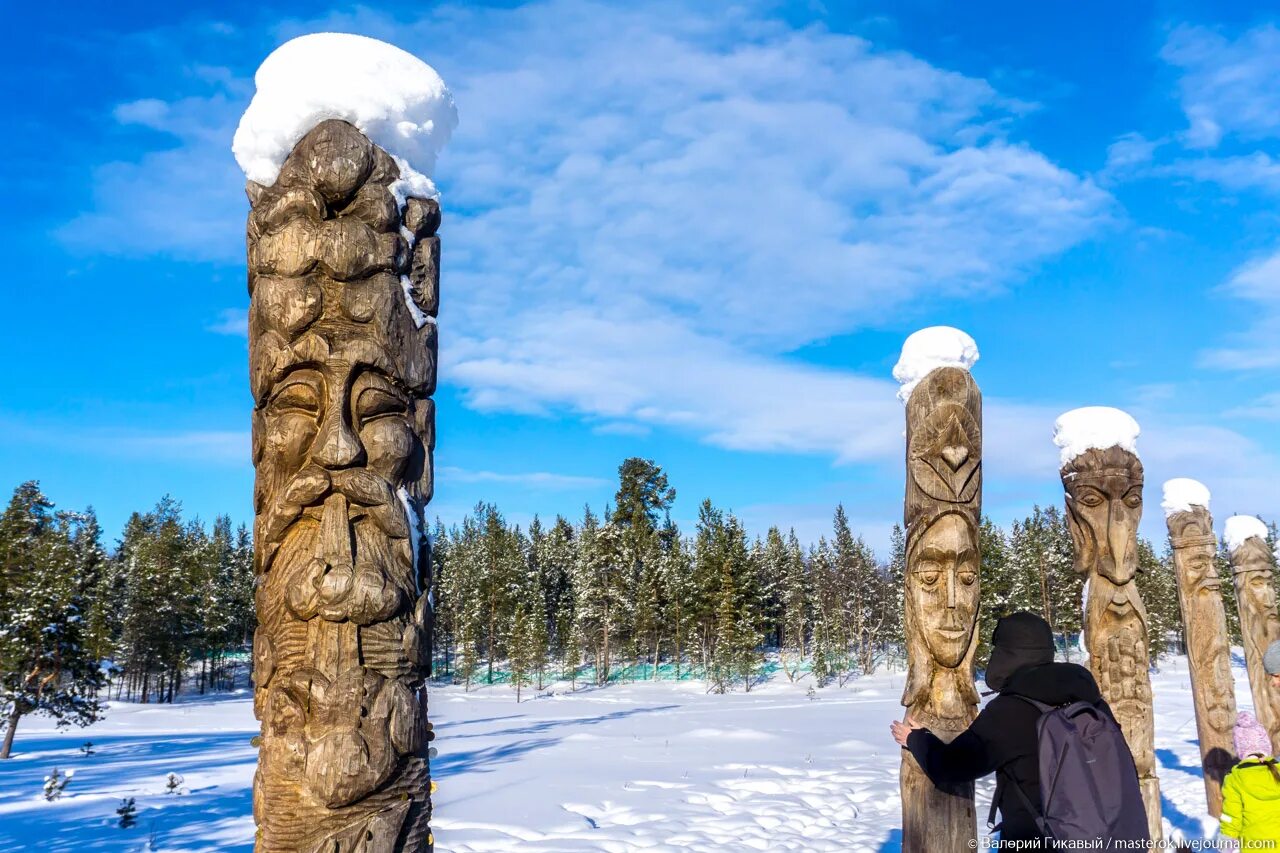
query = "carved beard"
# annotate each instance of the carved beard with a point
(344, 568)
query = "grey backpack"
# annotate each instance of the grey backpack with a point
(1088, 781)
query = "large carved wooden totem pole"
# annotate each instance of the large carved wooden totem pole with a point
(1103, 480)
(942, 509)
(1204, 623)
(342, 348)
(1251, 569)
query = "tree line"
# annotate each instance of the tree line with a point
(627, 595)
(621, 595)
(172, 604)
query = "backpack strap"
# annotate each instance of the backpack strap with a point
(1001, 773)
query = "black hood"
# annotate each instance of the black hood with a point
(1020, 640)
(1054, 684)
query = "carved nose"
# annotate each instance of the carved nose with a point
(1116, 550)
(951, 589)
(337, 445)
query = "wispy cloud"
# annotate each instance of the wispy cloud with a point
(198, 447)
(231, 321)
(1257, 345)
(532, 480)
(1264, 408)
(1227, 85)
(643, 242)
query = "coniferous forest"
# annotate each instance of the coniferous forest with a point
(620, 594)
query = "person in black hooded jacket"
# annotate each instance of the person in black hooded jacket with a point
(1002, 739)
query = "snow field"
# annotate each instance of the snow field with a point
(632, 767)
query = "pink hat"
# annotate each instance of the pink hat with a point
(1251, 738)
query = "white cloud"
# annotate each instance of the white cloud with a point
(1257, 345)
(533, 479)
(1263, 408)
(1129, 152)
(648, 208)
(1227, 85)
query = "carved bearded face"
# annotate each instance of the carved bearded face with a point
(336, 436)
(1251, 565)
(1195, 559)
(942, 587)
(1104, 507)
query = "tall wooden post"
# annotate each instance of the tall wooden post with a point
(342, 353)
(1252, 569)
(942, 509)
(1104, 506)
(1204, 623)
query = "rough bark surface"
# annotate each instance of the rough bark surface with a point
(1204, 623)
(1256, 598)
(942, 508)
(342, 365)
(1104, 507)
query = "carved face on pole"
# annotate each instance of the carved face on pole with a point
(942, 587)
(1195, 559)
(1251, 565)
(341, 370)
(1104, 507)
(943, 503)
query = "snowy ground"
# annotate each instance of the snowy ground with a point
(631, 767)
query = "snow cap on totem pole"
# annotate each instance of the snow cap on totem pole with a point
(1240, 529)
(1094, 428)
(928, 349)
(391, 96)
(1181, 494)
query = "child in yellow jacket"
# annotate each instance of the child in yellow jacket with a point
(1251, 791)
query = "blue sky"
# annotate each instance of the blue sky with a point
(689, 232)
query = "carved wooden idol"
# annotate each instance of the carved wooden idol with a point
(1251, 569)
(1104, 506)
(1204, 623)
(943, 504)
(342, 355)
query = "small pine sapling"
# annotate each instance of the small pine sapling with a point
(173, 784)
(87, 747)
(128, 812)
(55, 783)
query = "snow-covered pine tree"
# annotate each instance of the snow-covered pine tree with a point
(1228, 589)
(1157, 583)
(520, 658)
(649, 607)
(443, 634)
(745, 650)
(46, 664)
(678, 596)
(895, 590)
(999, 589)
(859, 591)
(795, 597)
(770, 558)
(501, 563)
(825, 615)
(604, 604)
(556, 558)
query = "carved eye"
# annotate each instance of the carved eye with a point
(968, 578)
(296, 396)
(929, 578)
(376, 402)
(1133, 500)
(1091, 499)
